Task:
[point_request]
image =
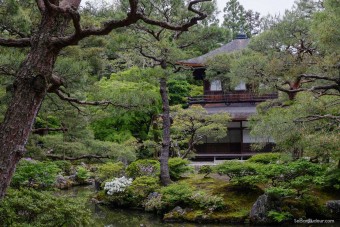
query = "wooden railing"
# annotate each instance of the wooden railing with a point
(231, 98)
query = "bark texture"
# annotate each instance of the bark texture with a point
(29, 90)
(164, 157)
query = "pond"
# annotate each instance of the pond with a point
(108, 217)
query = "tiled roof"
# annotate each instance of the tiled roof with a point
(237, 111)
(235, 45)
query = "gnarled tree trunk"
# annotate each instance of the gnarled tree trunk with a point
(29, 90)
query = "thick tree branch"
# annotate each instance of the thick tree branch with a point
(13, 31)
(183, 27)
(46, 130)
(132, 17)
(60, 157)
(318, 117)
(62, 96)
(23, 42)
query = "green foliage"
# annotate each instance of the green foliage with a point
(27, 207)
(177, 194)
(110, 170)
(155, 203)
(30, 173)
(331, 179)
(177, 167)
(206, 169)
(279, 192)
(136, 88)
(124, 152)
(178, 91)
(140, 188)
(82, 174)
(206, 201)
(192, 124)
(143, 167)
(243, 174)
(265, 158)
(279, 217)
(64, 165)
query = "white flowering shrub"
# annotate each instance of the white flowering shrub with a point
(117, 185)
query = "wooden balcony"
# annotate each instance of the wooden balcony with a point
(231, 98)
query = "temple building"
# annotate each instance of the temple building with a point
(240, 102)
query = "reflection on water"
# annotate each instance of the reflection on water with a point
(108, 217)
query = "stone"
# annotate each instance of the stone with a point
(334, 208)
(260, 209)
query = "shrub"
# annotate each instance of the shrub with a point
(65, 166)
(154, 203)
(243, 174)
(143, 167)
(265, 158)
(35, 174)
(117, 185)
(140, 188)
(27, 207)
(177, 194)
(207, 201)
(178, 166)
(279, 192)
(82, 174)
(279, 216)
(331, 179)
(205, 170)
(110, 170)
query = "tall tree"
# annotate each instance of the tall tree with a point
(35, 77)
(237, 19)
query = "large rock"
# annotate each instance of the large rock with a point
(63, 182)
(334, 208)
(260, 209)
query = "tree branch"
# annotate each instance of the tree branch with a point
(90, 103)
(46, 130)
(7, 70)
(23, 42)
(318, 117)
(61, 157)
(184, 27)
(41, 5)
(132, 17)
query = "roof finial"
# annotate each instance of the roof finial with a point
(241, 34)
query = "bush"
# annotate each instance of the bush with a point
(279, 192)
(117, 185)
(265, 158)
(243, 174)
(205, 170)
(154, 203)
(65, 166)
(82, 174)
(143, 167)
(206, 201)
(110, 170)
(27, 207)
(140, 188)
(332, 179)
(35, 174)
(177, 167)
(177, 194)
(279, 217)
